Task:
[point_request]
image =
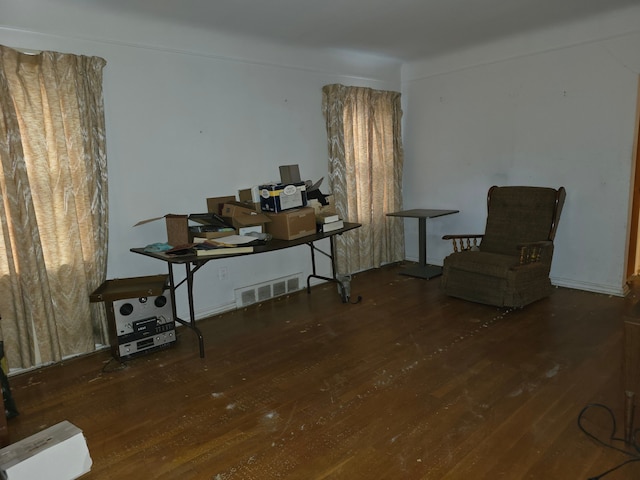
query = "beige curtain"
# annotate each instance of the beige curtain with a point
(365, 173)
(53, 213)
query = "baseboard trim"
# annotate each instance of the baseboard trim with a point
(202, 314)
(618, 291)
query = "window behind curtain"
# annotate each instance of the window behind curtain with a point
(365, 173)
(53, 214)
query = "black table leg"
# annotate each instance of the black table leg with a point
(422, 270)
(191, 324)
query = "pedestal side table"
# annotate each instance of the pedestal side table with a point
(422, 270)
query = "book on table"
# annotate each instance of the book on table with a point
(204, 250)
(229, 245)
(208, 248)
(330, 227)
(327, 217)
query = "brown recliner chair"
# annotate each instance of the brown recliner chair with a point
(510, 265)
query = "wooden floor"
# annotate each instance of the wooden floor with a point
(407, 384)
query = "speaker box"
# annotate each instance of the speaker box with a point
(140, 314)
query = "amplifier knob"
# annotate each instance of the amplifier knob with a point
(126, 309)
(160, 301)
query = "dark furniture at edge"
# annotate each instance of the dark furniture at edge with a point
(422, 270)
(193, 263)
(4, 429)
(631, 369)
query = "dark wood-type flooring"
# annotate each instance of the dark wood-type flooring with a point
(407, 384)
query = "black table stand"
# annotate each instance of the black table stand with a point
(344, 291)
(422, 270)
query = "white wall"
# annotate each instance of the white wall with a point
(193, 114)
(552, 108)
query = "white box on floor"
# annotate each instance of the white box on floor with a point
(56, 453)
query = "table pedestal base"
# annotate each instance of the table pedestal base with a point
(423, 269)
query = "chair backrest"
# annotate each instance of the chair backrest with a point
(519, 215)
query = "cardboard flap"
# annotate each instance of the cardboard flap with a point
(169, 215)
(215, 204)
(152, 285)
(209, 218)
(243, 215)
(247, 219)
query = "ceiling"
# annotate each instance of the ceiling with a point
(402, 29)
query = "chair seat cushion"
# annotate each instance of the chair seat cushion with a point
(492, 264)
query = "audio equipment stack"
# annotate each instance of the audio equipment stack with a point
(139, 314)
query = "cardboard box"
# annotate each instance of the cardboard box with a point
(56, 453)
(215, 204)
(209, 225)
(292, 224)
(117, 288)
(279, 197)
(243, 218)
(250, 197)
(179, 232)
(319, 208)
(177, 228)
(290, 174)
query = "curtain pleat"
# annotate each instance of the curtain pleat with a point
(54, 206)
(365, 173)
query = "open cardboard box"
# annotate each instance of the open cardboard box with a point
(178, 232)
(177, 228)
(209, 225)
(118, 288)
(244, 218)
(250, 197)
(215, 204)
(322, 209)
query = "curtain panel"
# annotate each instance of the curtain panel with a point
(53, 213)
(365, 173)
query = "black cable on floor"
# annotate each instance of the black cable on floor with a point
(609, 443)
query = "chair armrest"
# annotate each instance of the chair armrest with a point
(534, 251)
(462, 242)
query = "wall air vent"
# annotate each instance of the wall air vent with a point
(261, 292)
